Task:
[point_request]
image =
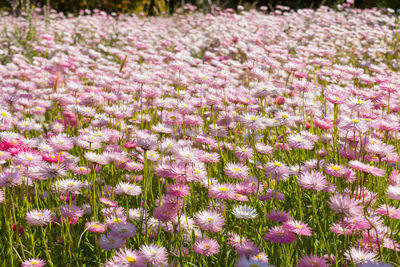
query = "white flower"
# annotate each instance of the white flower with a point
(136, 214)
(67, 186)
(244, 212)
(128, 189)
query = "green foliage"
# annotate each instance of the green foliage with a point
(157, 7)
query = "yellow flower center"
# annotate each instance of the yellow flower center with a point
(335, 168)
(277, 164)
(130, 259)
(223, 189)
(237, 169)
(4, 114)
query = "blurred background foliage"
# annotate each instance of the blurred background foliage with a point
(159, 7)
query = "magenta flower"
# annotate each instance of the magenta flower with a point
(280, 235)
(71, 211)
(278, 216)
(312, 261)
(165, 213)
(178, 190)
(108, 203)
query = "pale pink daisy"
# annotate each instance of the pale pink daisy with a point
(206, 247)
(40, 217)
(210, 221)
(298, 227)
(154, 254)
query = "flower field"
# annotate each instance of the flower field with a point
(245, 139)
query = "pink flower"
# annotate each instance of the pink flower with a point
(95, 227)
(393, 192)
(343, 204)
(128, 257)
(312, 261)
(154, 254)
(123, 229)
(313, 180)
(280, 235)
(110, 241)
(277, 170)
(33, 263)
(298, 227)
(394, 178)
(335, 170)
(367, 168)
(222, 191)
(40, 217)
(278, 216)
(210, 221)
(107, 202)
(206, 247)
(237, 171)
(165, 212)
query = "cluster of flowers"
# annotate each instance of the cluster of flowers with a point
(179, 140)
